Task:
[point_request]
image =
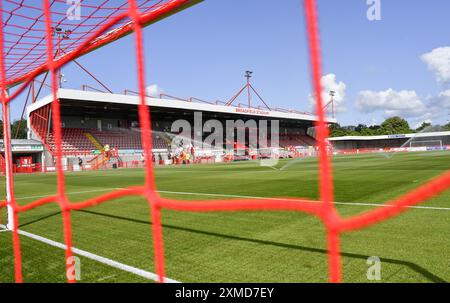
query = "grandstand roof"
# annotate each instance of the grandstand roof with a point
(385, 137)
(88, 96)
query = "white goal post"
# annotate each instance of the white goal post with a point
(8, 169)
(425, 143)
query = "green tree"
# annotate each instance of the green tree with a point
(336, 130)
(360, 128)
(19, 129)
(423, 126)
(369, 131)
(447, 126)
(395, 125)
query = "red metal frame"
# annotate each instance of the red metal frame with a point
(91, 75)
(249, 87)
(86, 87)
(101, 37)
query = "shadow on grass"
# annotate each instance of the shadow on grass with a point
(40, 219)
(425, 273)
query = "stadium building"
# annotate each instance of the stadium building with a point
(94, 121)
(401, 142)
(27, 155)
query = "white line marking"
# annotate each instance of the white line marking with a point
(239, 196)
(139, 272)
(272, 167)
(281, 199)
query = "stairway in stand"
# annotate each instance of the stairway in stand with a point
(93, 140)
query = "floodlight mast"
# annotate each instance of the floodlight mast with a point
(332, 94)
(250, 88)
(61, 35)
(248, 75)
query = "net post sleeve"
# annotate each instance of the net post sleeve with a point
(11, 225)
(9, 177)
(13, 218)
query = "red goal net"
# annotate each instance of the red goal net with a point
(28, 48)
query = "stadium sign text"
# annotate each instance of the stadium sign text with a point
(252, 111)
(228, 292)
(396, 136)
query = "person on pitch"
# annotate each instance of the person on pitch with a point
(106, 149)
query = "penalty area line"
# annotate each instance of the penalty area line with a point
(139, 272)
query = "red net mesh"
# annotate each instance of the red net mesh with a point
(27, 49)
(24, 29)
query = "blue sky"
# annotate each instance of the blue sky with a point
(378, 66)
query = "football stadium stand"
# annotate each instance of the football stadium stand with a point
(92, 120)
(398, 142)
(297, 140)
(74, 142)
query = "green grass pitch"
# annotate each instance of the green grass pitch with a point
(241, 246)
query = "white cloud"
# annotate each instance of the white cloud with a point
(373, 121)
(443, 99)
(406, 103)
(438, 61)
(437, 109)
(154, 90)
(393, 103)
(329, 83)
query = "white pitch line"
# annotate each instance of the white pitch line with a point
(139, 272)
(282, 199)
(240, 196)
